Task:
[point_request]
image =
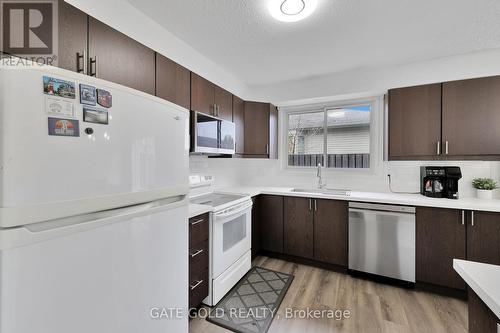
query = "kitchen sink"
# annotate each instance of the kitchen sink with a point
(331, 191)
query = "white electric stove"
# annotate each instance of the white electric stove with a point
(230, 237)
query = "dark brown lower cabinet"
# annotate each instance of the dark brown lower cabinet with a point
(198, 259)
(298, 227)
(331, 220)
(440, 239)
(271, 223)
(316, 229)
(255, 227)
(483, 237)
(481, 318)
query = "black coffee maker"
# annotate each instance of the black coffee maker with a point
(440, 182)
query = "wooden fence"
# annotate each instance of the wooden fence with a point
(333, 160)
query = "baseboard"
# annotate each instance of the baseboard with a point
(435, 289)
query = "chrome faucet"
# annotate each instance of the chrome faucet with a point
(321, 185)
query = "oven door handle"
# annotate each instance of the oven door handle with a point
(234, 211)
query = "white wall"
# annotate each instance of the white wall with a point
(405, 175)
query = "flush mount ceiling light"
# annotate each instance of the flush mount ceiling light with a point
(291, 10)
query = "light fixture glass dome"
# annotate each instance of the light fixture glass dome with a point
(292, 7)
(292, 10)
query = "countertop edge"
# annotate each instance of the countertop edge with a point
(197, 209)
(374, 197)
(492, 304)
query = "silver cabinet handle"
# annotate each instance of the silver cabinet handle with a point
(463, 217)
(197, 222)
(267, 149)
(195, 285)
(446, 148)
(315, 205)
(81, 58)
(439, 147)
(472, 219)
(194, 254)
(310, 204)
(95, 63)
(218, 109)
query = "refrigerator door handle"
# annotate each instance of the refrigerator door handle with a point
(89, 221)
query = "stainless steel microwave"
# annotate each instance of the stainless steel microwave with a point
(211, 135)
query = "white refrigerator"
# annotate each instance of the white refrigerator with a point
(93, 208)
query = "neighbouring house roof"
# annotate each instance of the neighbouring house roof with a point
(345, 118)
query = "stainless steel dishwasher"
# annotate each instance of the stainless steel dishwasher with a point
(382, 240)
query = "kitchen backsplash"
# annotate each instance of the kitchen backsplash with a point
(405, 174)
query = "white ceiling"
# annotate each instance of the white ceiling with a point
(242, 38)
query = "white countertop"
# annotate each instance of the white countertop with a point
(483, 279)
(377, 197)
(196, 209)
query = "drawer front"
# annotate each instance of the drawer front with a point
(198, 259)
(198, 289)
(198, 229)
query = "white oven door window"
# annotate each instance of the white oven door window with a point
(231, 237)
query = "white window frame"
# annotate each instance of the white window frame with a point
(376, 133)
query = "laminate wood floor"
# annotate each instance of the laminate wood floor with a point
(373, 307)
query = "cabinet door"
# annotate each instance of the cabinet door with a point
(483, 238)
(440, 239)
(255, 226)
(415, 122)
(224, 102)
(257, 129)
(298, 227)
(72, 36)
(173, 82)
(239, 124)
(121, 59)
(471, 117)
(271, 223)
(202, 95)
(273, 132)
(481, 318)
(330, 231)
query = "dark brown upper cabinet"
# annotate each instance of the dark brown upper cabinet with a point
(210, 99)
(239, 123)
(483, 237)
(270, 213)
(223, 99)
(72, 34)
(118, 58)
(440, 239)
(202, 95)
(298, 227)
(415, 122)
(455, 120)
(261, 130)
(471, 117)
(173, 82)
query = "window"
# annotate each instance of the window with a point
(336, 137)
